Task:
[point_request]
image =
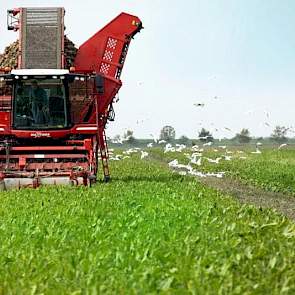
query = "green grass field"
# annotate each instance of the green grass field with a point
(148, 231)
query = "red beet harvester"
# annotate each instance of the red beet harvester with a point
(52, 117)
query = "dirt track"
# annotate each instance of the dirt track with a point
(284, 204)
(248, 194)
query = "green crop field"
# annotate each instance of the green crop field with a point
(273, 169)
(150, 230)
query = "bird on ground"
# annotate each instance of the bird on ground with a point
(116, 157)
(130, 151)
(199, 162)
(215, 161)
(173, 163)
(169, 148)
(282, 145)
(193, 160)
(189, 170)
(180, 147)
(256, 152)
(227, 158)
(208, 143)
(144, 154)
(258, 144)
(154, 138)
(195, 148)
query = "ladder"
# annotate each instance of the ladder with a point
(104, 153)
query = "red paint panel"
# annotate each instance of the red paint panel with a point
(5, 120)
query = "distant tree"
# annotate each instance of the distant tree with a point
(279, 134)
(183, 139)
(129, 137)
(243, 136)
(167, 133)
(205, 135)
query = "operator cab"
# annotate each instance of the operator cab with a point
(45, 99)
(40, 99)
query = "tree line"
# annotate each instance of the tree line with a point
(168, 134)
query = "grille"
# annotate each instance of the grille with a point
(41, 38)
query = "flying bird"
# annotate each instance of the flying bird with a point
(199, 104)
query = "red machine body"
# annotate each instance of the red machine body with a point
(63, 147)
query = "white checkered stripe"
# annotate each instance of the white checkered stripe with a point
(108, 55)
(112, 43)
(104, 68)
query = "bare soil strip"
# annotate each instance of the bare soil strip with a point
(249, 194)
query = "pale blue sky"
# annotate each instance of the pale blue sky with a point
(242, 51)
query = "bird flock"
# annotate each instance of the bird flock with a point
(195, 156)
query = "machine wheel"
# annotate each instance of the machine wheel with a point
(91, 179)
